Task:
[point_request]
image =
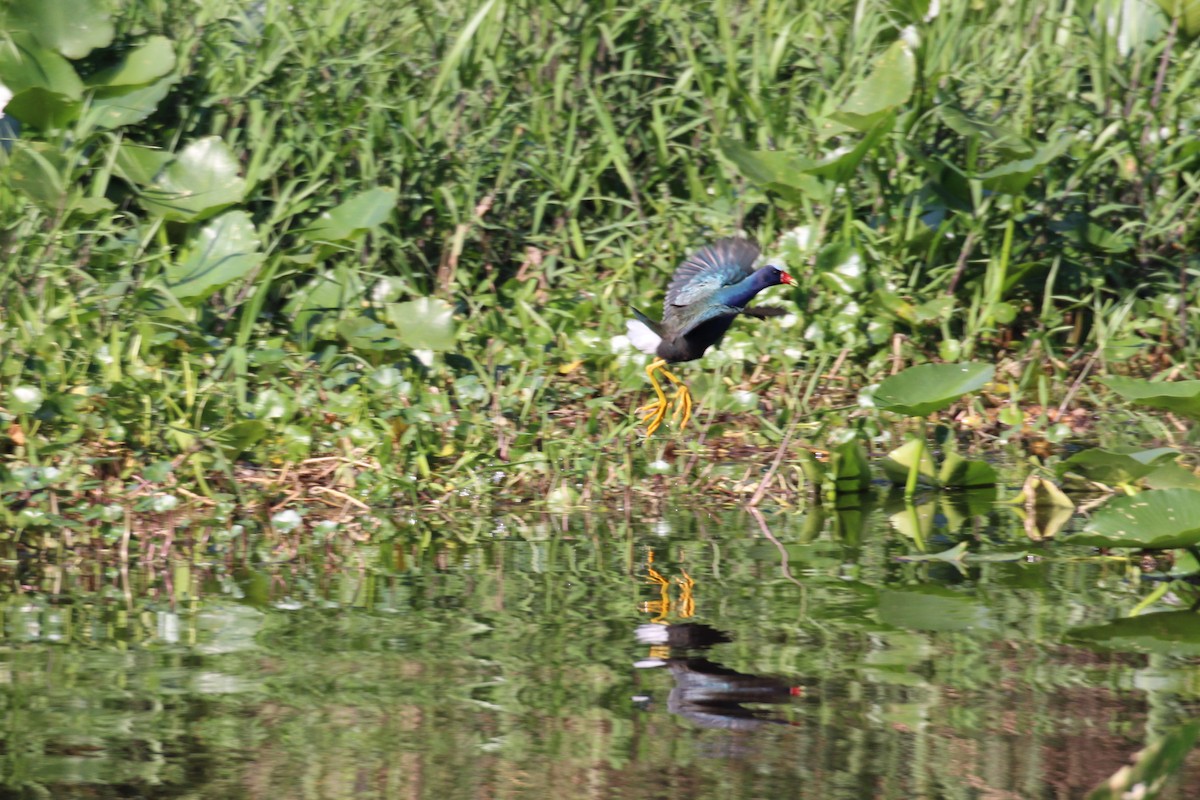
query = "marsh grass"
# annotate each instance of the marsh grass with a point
(551, 163)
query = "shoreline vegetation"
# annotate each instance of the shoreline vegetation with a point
(325, 261)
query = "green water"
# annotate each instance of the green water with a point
(499, 657)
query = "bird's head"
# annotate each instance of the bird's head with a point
(783, 277)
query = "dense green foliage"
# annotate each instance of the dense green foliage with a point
(405, 233)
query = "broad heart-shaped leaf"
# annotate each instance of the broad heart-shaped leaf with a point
(1116, 466)
(1188, 12)
(1013, 176)
(314, 307)
(223, 251)
(1151, 767)
(146, 63)
(424, 324)
(362, 212)
(921, 390)
(1174, 633)
(202, 180)
(72, 27)
(128, 105)
(783, 173)
(25, 65)
(1157, 519)
(888, 86)
(1180, 397)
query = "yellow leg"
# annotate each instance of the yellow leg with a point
(656, 412)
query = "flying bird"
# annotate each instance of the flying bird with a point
(709, 289)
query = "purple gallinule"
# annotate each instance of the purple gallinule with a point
(708, 290)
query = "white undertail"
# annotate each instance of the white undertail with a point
(641, 337)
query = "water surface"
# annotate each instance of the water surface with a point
(518, 656)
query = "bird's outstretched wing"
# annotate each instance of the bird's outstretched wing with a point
(708, 269)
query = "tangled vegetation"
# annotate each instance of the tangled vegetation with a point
(385, 251)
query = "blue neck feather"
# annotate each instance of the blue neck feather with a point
(741, 293)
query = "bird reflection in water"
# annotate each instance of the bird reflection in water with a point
(706, 693)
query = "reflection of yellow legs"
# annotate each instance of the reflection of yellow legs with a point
(663, 606)
(656, 412)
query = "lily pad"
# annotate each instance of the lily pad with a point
(1181, 397)
(1161, 518)
(201, 180)
(921, 390)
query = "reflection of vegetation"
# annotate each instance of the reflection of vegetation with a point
(440, 667)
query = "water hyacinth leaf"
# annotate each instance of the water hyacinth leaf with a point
(1013, 176)
(1180, 397)
(783, 173)
(921, 390)
(360, 213)
(152, 59)
(201, 180)
(1157, 519)
(1116, 466)
(426, 323)
(1175, 633)
(223, 251)
(74, 28)
(1188, 12)
(888, 86)
(1151, 767)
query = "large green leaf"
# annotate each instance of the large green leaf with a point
(138, 164)
(921, 390)
(224, 250)
(72, 27)
(347, 220)
(201, 180)
(1181, 397)
(146, 63)
(841, 166)
(931, 608)
(1116, 466)
(1160, 519)
(45, 89)
(783, 173)
(897, 464)
(424, 324)
(888, 86)
(1151, 768)
(127, 105)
